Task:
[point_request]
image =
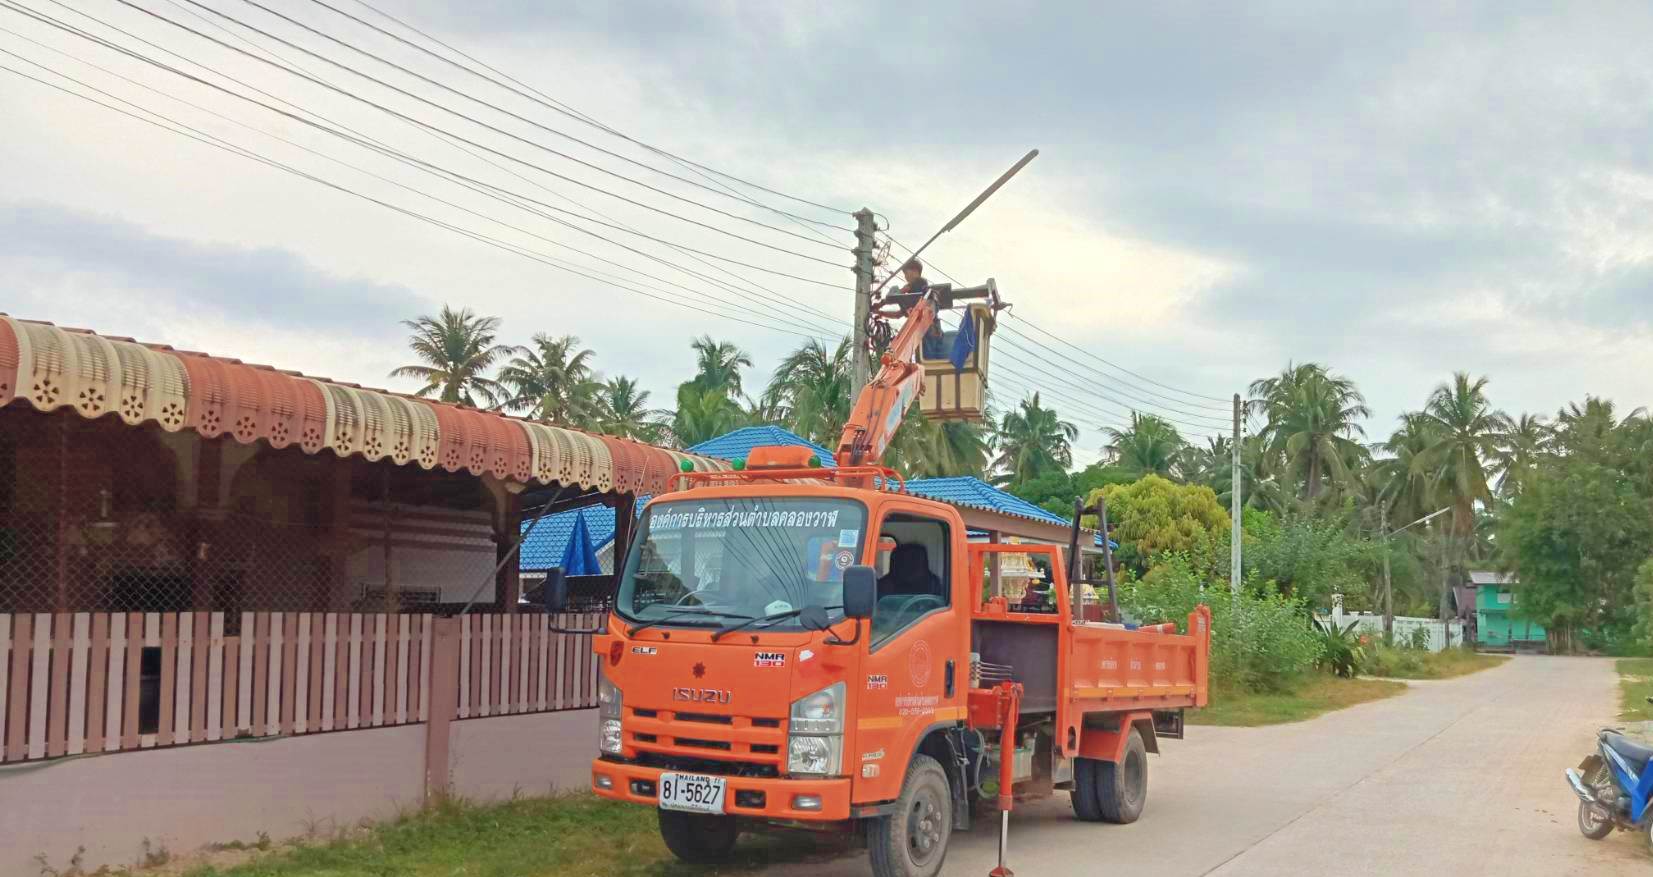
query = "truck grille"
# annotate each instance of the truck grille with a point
(730, 745)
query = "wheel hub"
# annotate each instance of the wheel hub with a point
(924, 828)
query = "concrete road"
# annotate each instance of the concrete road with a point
(1459, 777)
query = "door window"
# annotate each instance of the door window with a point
(914, 562)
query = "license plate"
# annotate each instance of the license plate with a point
(691, 792)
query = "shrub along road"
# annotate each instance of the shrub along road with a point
(1458, 776)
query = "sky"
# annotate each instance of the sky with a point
(1399, 191)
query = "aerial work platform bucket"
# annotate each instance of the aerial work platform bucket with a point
(958, 392)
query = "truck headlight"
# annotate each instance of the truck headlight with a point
(816, 744)
(609, 738)
(820, 756)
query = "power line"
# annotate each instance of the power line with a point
(387, 110)
(535, 98)
(363, 140)
(1223, 407)
(1092, 392)
(572, 113)
(496, 108)
(516, 86)
(184, 130)
(1124, 388)
(783, 317)
(397, 155)
(1035, 327)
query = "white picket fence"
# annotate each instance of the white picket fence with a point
(1441, 635)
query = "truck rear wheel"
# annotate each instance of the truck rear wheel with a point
(1086, 801)
(1122, 788)
(699, 839)
(912, 841)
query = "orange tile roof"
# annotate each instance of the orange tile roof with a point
(52, 367)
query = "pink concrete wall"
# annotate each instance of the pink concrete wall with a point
(188, 797)
(531, 754)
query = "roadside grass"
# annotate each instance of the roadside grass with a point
(568, 836)
(1635, 687)
(1314, 695)
(1388, 662)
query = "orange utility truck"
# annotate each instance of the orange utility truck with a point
(811, 646)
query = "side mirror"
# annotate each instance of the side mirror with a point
(860, 591)
(555, 594)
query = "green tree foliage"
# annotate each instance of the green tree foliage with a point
(456, 350)
(703, 414)
(1643, 628)
(1260, 641)
(551, 381)
(1575, 537)
(1056, 491)
(1154, 515)
(622, 410)
(1151, 446)
(810, 391)
(1311, 426)
(1033, 441)
(718, 366)
(1307, 557)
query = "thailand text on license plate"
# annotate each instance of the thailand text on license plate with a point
(691, 792)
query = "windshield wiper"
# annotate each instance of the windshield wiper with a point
(671, 616)
(777, 616)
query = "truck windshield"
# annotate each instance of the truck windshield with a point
(748, 557)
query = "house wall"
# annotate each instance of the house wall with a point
(186, 798)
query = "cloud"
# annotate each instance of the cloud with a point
(1395, 191)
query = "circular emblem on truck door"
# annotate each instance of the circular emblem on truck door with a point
(918, 664)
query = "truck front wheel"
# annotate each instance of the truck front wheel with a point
(1122, 787)
(699, 839)
(912, 841)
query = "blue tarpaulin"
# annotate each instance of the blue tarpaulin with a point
(579, 558)
(964, 343)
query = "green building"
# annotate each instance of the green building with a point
(1495, 626)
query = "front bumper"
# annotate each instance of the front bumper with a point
(779, 795)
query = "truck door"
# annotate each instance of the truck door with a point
(914, 680)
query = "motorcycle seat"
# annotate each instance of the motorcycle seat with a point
(1635, 753)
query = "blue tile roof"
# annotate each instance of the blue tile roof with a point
(976, 493)
(739, 443)
(544, 548)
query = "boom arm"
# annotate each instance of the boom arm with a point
(884, 402)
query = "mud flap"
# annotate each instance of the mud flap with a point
(958, 774)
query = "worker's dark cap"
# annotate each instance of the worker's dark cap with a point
(913, 264)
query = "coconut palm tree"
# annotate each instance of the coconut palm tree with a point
(810, 391)
(1311, 421)
(924, 448)
(552, 381)
(718, 365)
(1404, 487)
(704, 414)
(623, 411)
(456, 350)
(1468, 434)
(1513, 463)
(1150, 446)
(1032, 441)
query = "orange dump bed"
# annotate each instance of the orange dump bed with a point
(1084, 671)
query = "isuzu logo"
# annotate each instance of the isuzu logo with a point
(702, 695)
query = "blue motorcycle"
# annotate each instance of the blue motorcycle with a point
(1614, 786)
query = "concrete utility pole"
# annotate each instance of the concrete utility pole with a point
(1234, 553)
(1388, 584)
(865, 244)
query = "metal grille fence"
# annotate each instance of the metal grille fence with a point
(96, 516)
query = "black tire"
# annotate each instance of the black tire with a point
(1122, 789)
(697, 838)
(912, 841)
(1593, 823)
(1086, 801)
